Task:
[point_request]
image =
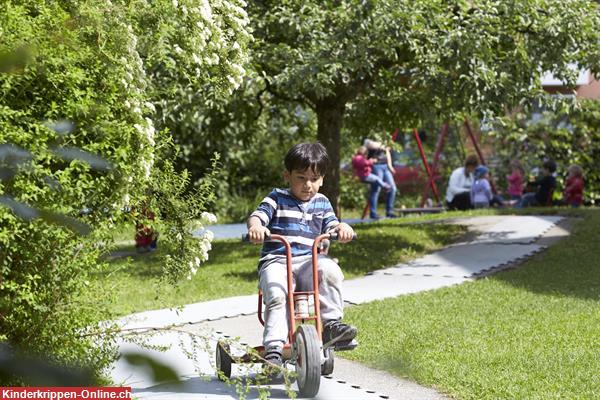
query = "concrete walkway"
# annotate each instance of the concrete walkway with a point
(494, 243)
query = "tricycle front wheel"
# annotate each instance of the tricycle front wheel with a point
(308, 360)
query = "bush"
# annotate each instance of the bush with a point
(77, 132)
(353, 193)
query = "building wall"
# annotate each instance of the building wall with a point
(590, 91)
(587, 85)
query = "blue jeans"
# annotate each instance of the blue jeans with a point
(383, 173)
(528, 200)
(374, 179)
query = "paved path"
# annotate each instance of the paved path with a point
(494, 243)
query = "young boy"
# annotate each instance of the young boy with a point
(300, 213)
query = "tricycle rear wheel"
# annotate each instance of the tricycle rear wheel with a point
(223, 361)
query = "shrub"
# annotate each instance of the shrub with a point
(77, 109)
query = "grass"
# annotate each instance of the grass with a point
(528, 333)
(135, 281)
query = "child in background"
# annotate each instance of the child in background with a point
(545, 187)
(516, 180)
(481, 191)
(574, 186)
(146, 236)
(363, 168)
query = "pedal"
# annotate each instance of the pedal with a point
(345, 345)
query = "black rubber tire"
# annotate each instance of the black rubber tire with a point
(308, 360)
(327, 366)
(223, 361)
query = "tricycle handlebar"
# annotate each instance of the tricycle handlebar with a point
(333, 236)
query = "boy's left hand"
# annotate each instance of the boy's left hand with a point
(345, 232)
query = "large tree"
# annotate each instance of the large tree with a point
(374, 62)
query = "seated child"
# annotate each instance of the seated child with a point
(300, 213)
(574, 186)
(145, 235)
(515, 180)
(545, 187)
(481, 191)
(363, 166)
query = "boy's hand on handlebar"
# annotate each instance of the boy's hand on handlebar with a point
(256, 234)
(345, 232)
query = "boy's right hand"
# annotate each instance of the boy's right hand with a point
(256, 234)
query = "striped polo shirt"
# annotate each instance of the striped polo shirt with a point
(300, 222)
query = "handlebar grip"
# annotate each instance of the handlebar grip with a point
(246, 238)
(333, 236)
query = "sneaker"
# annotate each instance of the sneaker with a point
(391, 215)
(336, 331)
(274, 357)
(375, 217)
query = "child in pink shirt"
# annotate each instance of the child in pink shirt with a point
(574, 186)
(363, 166)
(515, 180)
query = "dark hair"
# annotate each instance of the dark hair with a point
(307, 155)
(471, 161)
(550, 165)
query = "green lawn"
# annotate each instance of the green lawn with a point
(529, 333)
(231, 271)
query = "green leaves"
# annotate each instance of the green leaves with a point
(159, 371)
(74, 153)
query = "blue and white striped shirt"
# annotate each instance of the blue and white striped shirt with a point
(299, 222)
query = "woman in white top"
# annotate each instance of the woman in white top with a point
(458, 194)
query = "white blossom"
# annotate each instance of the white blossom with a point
(208, 235)
(208, 218)
(150, 106)
(206, 11)
(205, 246)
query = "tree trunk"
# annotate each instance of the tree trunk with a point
(330, 116)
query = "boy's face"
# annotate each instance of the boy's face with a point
(304, 185)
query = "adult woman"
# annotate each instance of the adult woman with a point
(458, 194)
(384, 169)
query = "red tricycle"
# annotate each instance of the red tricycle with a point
(305, 348)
